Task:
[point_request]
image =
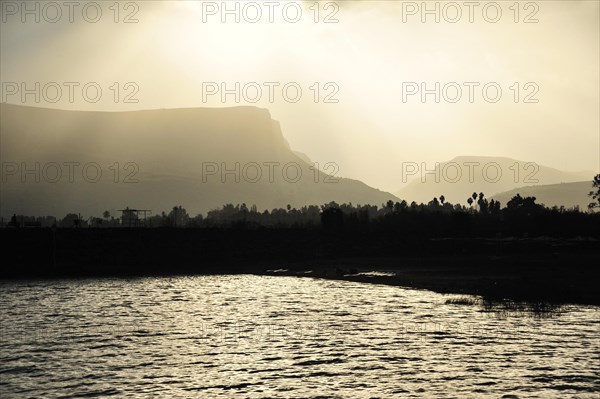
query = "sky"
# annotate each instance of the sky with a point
(361, 67)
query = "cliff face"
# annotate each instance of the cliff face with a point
(173, 141)
(200, 158)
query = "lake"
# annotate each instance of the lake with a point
(266, 336)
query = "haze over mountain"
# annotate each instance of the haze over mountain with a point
(200, 158)
(568, 195)
(369, 55)
(458, 178)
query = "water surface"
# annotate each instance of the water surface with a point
(261, 337)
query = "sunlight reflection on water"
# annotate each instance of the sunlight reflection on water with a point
(258, 337)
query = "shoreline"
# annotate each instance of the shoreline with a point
(538, 269)
(489, 279)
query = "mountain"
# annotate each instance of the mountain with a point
(458, 178)
(56, 161)
(568, 195)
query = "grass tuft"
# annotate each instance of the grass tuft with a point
(462, 300)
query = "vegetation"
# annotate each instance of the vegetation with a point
(595, 194)
(479, 217)
(523, 251)
(463, 300)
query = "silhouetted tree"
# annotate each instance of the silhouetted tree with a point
(494, 207)
(332, 219)
(70, 220)
(523, 206)
(197, 221)
(13, 221)
(483, 203)
(389, 206)
(178, 217)
(434, 203)
(400, 206)
(595, 194)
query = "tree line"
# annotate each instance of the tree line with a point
(521, 215)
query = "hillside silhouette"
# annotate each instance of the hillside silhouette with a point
(514, 174)
(167, 149)
(569, 195)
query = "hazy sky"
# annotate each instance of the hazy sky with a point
(371, 54)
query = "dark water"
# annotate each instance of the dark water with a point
(259, 337)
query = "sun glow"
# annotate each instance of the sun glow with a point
(369, 54)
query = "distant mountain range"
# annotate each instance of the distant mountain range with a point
(568, 195)
(200, 158)
(458, 178)
(203, 158)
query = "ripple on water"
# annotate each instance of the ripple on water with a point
(259, 337)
